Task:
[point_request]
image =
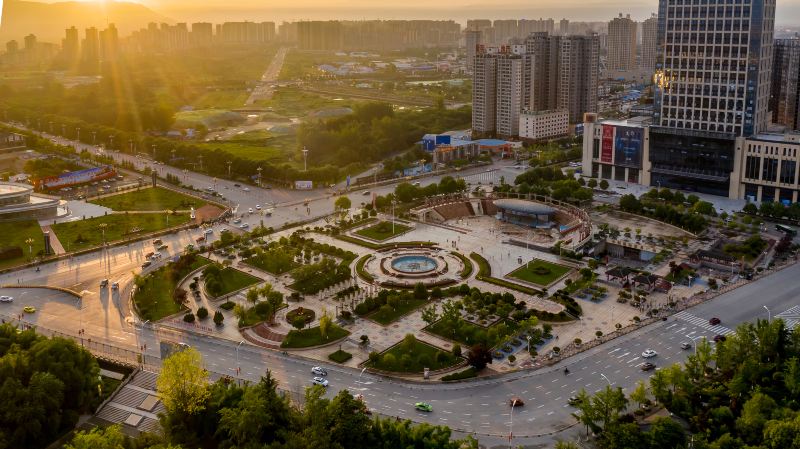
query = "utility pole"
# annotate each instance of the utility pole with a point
(94, 137)
(78, 132)
(111, 142)
(229, 168)
(305, 158)
(201, 161)
(259, 175)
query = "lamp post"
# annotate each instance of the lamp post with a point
(30, 241)
(78, 132)
(103, 227)
(606, 378)
(94, 137)
(393, 204)
(769, 315)
(305, 158)
(229, 168)
(238, 369)
(259, 175)
(511, 422)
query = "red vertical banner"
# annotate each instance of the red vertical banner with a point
(607, 148)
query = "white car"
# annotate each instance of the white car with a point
(258, 207)
(209, 231)
(648, 353)
(6, 299)
(244, 226)
(155, 256)
(319, 381)
(246, 189)
(250, 210)
(318, 371)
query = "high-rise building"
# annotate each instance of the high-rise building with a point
(484, 93)
(649, 43)
(578, 73)
(12, 47)
(504, 30)
(70, 46)
(202, 33)
(714, 65)
(621, 43)
(109, 43)
(785, 92)
(546, 73)
(30, 43)
(563, 27)
(90, 48)
(472, 39)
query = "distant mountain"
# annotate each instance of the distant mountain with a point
(49, 20)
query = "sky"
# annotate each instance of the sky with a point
(788, 11)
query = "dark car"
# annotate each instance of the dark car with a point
(516, 402)
(648, 366)
(714, 321)
(718, 338)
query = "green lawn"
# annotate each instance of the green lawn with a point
(413, 358)
(75, 235)
(232, 280)
(222, 99)
(150, 199)
(386, 314)
(540, 272)
(153, 294)
(311, 337)
(469, 334)
(383, 231)
(14, 235)
(275, 149)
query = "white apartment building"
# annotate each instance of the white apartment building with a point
(543, 125)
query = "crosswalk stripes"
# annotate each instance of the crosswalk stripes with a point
(703, 323)
(791, 317)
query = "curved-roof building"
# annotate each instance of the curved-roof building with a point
(524, 207)
(17, 202)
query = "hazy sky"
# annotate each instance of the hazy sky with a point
(788, 11)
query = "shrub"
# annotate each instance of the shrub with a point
(364, 339)
(218, 318)
(466, 374)
(340, 356)
(227, 305)
(457, 350)
(189, 317)
(512, 358)
(202, 313)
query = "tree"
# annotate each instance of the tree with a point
(592, 183)
(182, 383)
(479, 356)
(252, 295)
(457, 350)
(218, 318)
(565, 445)
(299, 322)
(420, 292)
(202, 313)
(325, 324)
(342, 203)
(665, 432)
(429, 314)
(98, 438)
(639, 394)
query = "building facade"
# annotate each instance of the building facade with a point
(621, 43)
(484, 94)
(785, 90)
(649, 43)
(472, 38)
(714, 65)
(543, 125)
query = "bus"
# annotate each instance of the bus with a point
(787, 229)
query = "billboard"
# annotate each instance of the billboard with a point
(628, 146)
(304, 185)
(607, 145)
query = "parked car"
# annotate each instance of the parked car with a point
(685, 345)
(258, 207)
(573, 401)
(714, 321)
(146, 264)
(29, 309)
(163, 247)
(318, 371)
(115, 286)
(104, 283)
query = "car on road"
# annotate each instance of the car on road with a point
(163, 247)
(246, 189)
(244, 225)
(157, 242)
(423, 407)
(648, 366)
(29, 309)
(200, 239)
(237, 185)
(718, 338)
(5, 298)
(250, 210)
(648, 353)
(516, 401)
(573, 401)
(319, 371)
(209, 231)
(115, 286)
(155, 256)
(146, 264)
(104, 282)
(319, 381)
(714, 321)
(237, 221)
(685, 345)
(365, 193)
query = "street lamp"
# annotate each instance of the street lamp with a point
(393, 204)
(229, 168)
(30, 241)
(103, 227)
(606, 378)
(238, 369)
(769, 315)
(511, 422)
(305, 158)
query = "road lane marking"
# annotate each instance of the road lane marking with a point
(615, 350)
(623, 355)
(632, 360)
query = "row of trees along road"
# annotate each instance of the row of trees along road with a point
(256, 416)
(742, 393)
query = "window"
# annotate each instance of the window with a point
(751, 167)
(787, 171)
(770, 171)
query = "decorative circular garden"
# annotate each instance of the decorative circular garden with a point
(405, 267)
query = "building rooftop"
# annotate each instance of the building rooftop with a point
(528, 207)
(635, 122)
(788, 137)
(7, 188)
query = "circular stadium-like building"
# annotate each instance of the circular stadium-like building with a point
(525, 213)
(17, 202)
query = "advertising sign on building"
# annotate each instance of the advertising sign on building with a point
(304, 185)
(628, 147)
(607, 145)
